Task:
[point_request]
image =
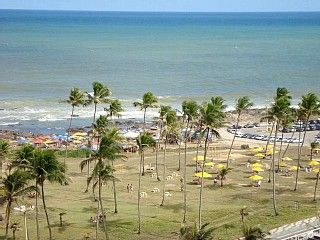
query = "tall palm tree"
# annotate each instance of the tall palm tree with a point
(190, 110)
(101, 94)
(101, 173)
(309, 105)
(223, 173)
(242, 104)
(279, 109)
(149, 100)
(253, 233)
(110, 150)
(144, 141)
(4, 150)
(115, 108)
(213, 117)
(193, 233)
(170, 129)
(100, 126)
(14, 186)
(76, 98)
(45, 166)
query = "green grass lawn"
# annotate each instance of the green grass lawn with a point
(221, 206)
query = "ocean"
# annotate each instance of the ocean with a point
(177, 56)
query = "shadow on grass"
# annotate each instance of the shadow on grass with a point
(176, 208)
(64, 226)
(89, 209)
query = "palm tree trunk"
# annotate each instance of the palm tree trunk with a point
(279, 158)
(157, 151)
(102, 210)
(114, 193)
(201, 187)
(95, 112)
(45, 210)
(97, 221)
(37, 212)
(25, 225)
(1, 162)
(315, 187)
(139, 191)
(144, 119)
(298, 163)
(304, 134)
(68, 135)
(273, 173)
(179, 152)
(142, 164)
(285, 151)
(198, 145)
(185, 175)
(234, 137)
(164, 171)
(8, 212)
(269, 180)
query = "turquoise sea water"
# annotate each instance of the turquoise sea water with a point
(175, 55)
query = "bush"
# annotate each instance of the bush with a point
(244, 146)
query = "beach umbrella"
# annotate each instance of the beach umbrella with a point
(259, 155)
(49, 141)
(287, 159)
(257, 169)
(293, 168)
(209, 164)
(256, 177)
(257, 149)
(270, 146)
(37, 141)
(199, 158)
(257, 165)
(313, 163)
(80, 134)
(76, 142)
(270, 152)
(316, 170)
(220, 166)
(204, 175)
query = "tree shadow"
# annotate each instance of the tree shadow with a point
(176, 208)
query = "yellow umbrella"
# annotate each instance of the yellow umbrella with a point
(259, 155)
(256, 177)
(257, 169)
(257, 149)
(199, 158)
(257, 165)
(49, 141)
(287, 159)
(283, 164)
(80, 134)
(313, 163)
(316, 170)
(270, 152)
(204, 175)
(293, 168)
(220, 166)
(269, 146)
(209, 164)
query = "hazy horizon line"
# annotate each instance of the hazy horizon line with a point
(152, 11)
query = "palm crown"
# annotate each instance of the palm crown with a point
(76, 97)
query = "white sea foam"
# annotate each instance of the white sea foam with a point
(9, 123)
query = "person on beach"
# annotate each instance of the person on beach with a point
(131, 188)
(128, 188)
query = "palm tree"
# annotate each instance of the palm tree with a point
(170, 129)
(100, 94)
(223, 173)
(45, 166)
(309, 105)
(213, 117)
(193, 233)
(110, 150)
(242, 104)
(100, 126)
(148, 101)
(4, 150)
(14, 186)
(190, 110)
(76, 98)
(115, 108)
(253, 233)
(278, 111)
(145, 140)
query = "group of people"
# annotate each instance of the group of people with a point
(99, 218)
(129, 188)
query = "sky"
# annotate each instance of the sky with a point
(166, 5)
